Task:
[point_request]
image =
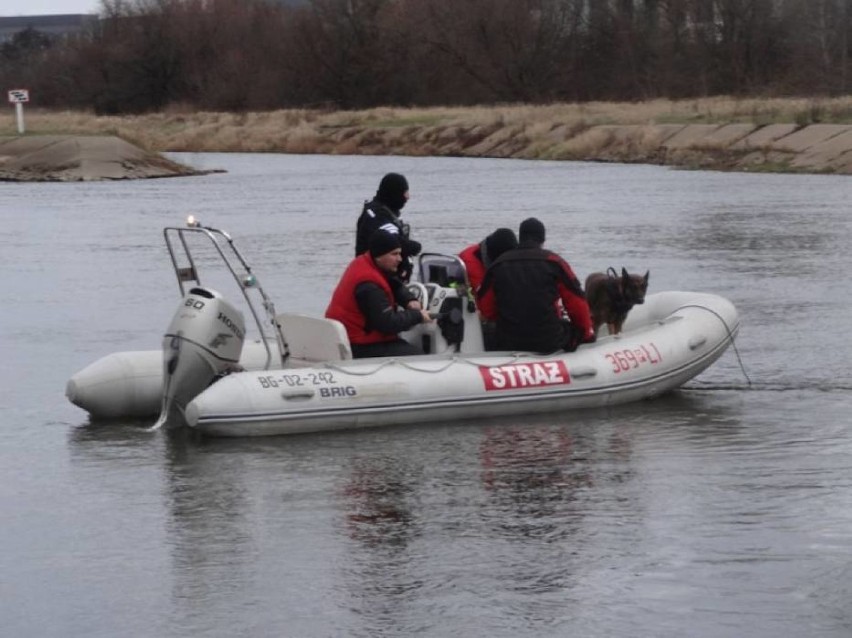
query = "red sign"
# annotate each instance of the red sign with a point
(535, 374)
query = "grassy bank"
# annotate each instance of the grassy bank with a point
(558, 131)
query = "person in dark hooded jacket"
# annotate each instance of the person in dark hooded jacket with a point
(478, 257)
(383, 212)
(522, 291)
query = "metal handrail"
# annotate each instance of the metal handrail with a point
(247, 280)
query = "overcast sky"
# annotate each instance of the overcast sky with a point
(43, 7)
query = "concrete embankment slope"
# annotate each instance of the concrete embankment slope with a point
(818, 148)
(53, 158)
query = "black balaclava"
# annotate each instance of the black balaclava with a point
(392, 190)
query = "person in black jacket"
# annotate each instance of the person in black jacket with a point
(383, 212)
(522, 291)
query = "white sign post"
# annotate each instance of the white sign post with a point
(18, 97)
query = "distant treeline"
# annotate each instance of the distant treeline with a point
(253, 55)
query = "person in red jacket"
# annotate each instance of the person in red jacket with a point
(366, 299)
(521, 291)
(478, 257)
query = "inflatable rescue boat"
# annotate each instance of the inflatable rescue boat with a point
(299, 375)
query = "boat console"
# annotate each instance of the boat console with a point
(442, 288)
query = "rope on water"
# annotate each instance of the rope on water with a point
(730, 336)
(767, 387)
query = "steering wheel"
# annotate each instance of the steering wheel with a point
(420, 293)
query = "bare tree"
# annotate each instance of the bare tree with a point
(253, 54)
(518, 50)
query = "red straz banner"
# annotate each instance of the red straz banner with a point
(525, 375)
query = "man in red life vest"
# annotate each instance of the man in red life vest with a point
(478, 257)
(366, 299)
(521, 291)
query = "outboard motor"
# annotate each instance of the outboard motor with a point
(203, 341)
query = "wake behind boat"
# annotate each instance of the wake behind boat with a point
(299, 376)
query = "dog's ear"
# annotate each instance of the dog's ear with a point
(624, 275)
(647, 274)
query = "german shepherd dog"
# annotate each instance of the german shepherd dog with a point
(611, 297)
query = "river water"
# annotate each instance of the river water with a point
(724, 509)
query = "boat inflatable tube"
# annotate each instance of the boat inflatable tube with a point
(130, 384)
(667, 341)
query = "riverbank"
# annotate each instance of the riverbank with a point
(81, 158)
(779, 135)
